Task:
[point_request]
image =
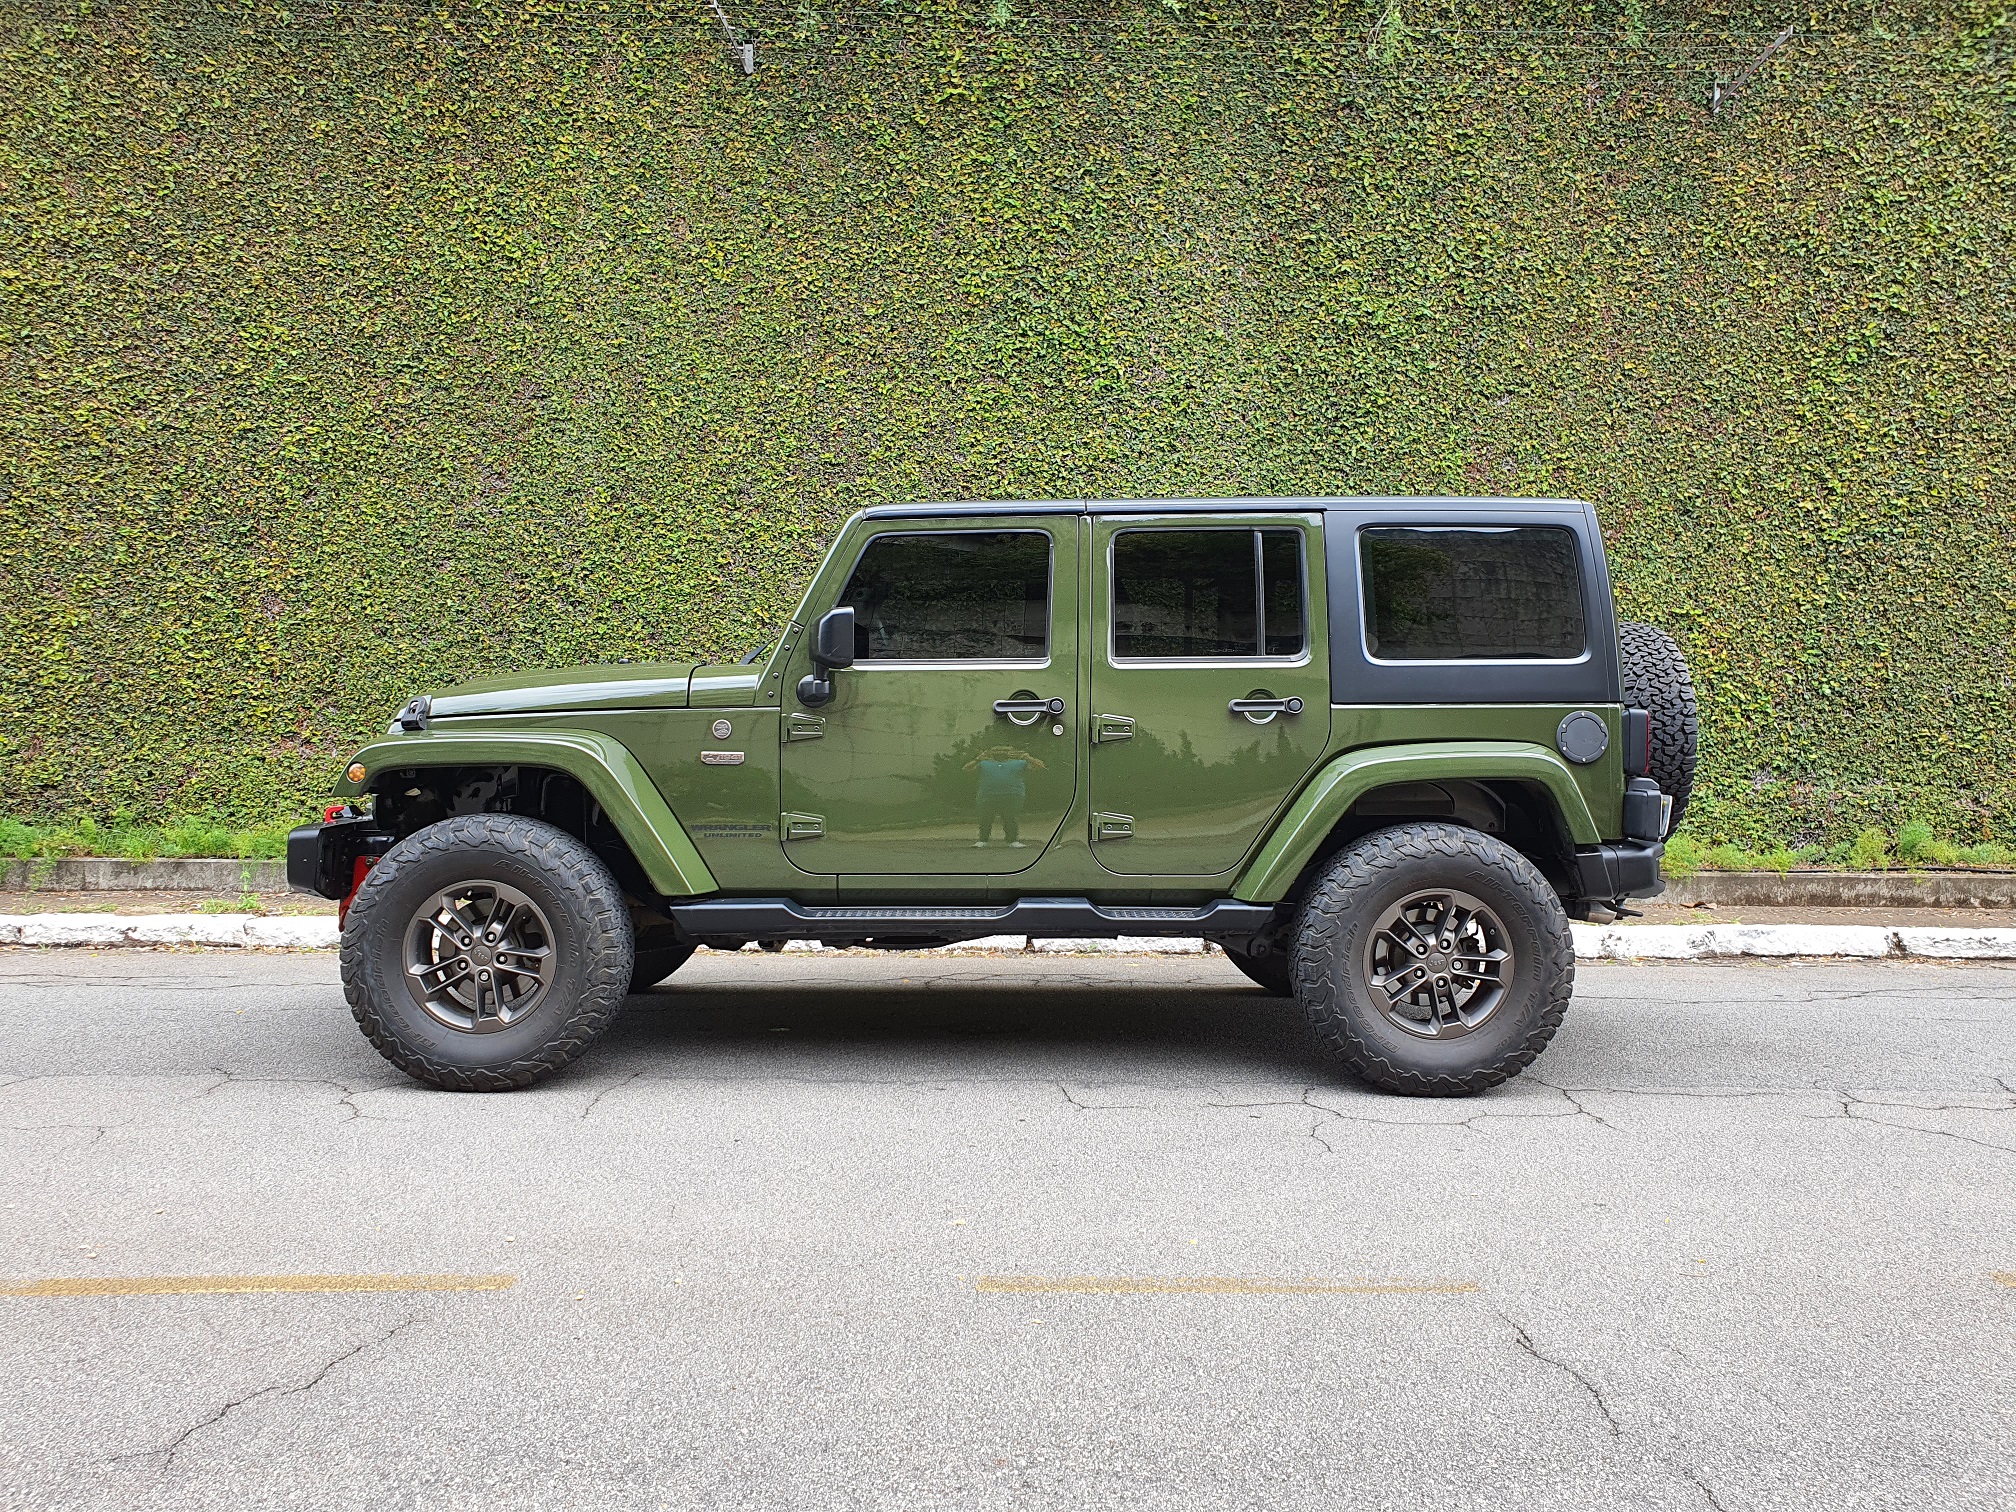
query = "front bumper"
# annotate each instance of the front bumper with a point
(329, 860)
(1623, 869)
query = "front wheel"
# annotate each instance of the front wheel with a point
(486, 951)
(1434, 960)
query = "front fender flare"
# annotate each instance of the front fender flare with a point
(1342, 782)
(603, 765)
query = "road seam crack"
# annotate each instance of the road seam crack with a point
(1525, 1342)
(169, 1450)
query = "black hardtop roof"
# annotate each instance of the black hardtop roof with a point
(1399, 504)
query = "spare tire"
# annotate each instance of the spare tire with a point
(1656, 680)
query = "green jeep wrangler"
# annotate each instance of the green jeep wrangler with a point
(1379, 750)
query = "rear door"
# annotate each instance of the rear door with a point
(912, 767)
(1210, 684)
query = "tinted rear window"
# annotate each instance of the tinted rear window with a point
(1472, 593)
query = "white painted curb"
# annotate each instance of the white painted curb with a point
(1593, 942)
(301, 932)
(1705, 942)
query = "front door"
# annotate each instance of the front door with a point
(911, 767)
(1210, 684)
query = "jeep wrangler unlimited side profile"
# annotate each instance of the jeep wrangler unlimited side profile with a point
(1379, 750)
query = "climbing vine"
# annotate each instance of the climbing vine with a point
(344, 352)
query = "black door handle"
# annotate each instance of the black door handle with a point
(1014, 706)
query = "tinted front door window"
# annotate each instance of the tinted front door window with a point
(952, 596)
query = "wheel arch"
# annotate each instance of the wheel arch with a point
(588, 784)
(1521, 792)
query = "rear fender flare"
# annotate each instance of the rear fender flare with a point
(1300, 833)
(603, 765)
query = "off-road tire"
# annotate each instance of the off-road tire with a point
(591, 944)
(653, 966)
(1656, 679)
(1376, 873)
(1275, 971)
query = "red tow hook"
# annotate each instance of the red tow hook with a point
(358, 869)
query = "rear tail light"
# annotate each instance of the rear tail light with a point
(1637, 743)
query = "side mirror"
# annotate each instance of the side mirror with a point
(832, 649)
(834, 646)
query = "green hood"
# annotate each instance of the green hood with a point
(637, 685)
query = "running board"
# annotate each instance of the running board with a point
(737, 920)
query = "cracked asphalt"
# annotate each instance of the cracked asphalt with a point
(1735, 1243)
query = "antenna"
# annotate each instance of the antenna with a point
(1729, 89)
(744, 53)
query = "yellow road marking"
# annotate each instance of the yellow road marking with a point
(2007, 1278)
(1218, 1286)
(189, 1286)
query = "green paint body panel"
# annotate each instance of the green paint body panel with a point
(1196, 783)
(1601, 782)
(604, 765)
(915, 771)
(733, 687)
(642, 685)
(729, 811)
(1341, 783)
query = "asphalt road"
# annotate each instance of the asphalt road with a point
(1733, 1244)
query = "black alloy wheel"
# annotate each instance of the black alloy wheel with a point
(486, 951)
(1433, 959)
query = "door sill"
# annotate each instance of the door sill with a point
(735, 921)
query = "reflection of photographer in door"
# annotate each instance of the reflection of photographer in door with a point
(1004, 788)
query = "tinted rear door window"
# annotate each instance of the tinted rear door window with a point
(1208, 595)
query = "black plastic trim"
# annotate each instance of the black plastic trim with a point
(1073, 918)
(1637, 743)
(1629, 869)
(322, 858)
(1644, 810)
(1407, 504)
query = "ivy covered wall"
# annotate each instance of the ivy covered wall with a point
(344, 352)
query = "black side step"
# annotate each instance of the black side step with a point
(736, 920)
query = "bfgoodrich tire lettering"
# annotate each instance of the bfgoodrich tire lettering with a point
(583, 922)
(1518, 913)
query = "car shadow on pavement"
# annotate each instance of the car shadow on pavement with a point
(1228, 1027)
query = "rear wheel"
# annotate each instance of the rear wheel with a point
(486, 951)
(1433, 960)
